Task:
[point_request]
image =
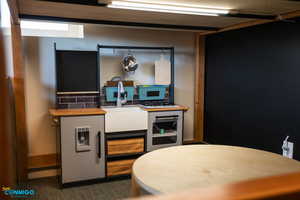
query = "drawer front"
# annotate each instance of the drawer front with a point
(125, 146)
(120, 167)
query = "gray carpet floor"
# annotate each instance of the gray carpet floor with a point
(48, 189)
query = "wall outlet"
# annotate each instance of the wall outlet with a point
(288, 149)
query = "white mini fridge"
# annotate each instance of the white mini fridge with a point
(82, 148)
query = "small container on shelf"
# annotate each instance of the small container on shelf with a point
(112, 93)
(152, 92)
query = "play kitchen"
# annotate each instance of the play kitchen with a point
(112, 106)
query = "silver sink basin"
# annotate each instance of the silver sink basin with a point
(119, 119)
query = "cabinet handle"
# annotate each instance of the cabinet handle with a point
(99, 144)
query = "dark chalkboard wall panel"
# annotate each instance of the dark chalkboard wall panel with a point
(253, 87)
(77, 71)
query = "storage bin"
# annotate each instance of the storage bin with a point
(119, 167)
(112, 93)
(125, 146)
(152, 92)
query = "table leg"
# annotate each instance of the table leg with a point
(135, 189)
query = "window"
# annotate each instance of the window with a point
(51, 29)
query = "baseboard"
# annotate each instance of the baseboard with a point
(42, 174)
(187, 142)
(42, 162)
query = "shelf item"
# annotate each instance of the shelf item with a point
(115, 83)
(112, 93)
(162, 71)
(119, 167)
(152, 92)
(125, 146)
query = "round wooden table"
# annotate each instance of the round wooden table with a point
(193, 166)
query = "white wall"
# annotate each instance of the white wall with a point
(40, 74)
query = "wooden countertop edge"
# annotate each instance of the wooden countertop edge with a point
(99, 111)
(179, 107)
(76, 112)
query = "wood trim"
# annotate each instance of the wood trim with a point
(199, 89)
(285, 16)
(269, 188)
(179, 107)
(42, 161)
(19, 94)
(7, 150)
(76, 112)
(14, 11)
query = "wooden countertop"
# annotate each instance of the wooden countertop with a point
(178, 107)
(197, 166)
(76, 112)
(99, 111)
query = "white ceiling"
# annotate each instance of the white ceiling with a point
(274, 7)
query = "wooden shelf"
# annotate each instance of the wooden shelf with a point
(165, 134)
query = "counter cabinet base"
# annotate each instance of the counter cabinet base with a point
(122, 149)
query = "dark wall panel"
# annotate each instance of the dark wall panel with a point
(77, 71)
(253, 87)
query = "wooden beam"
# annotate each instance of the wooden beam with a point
(7, 151)
(199, 89)
(254, 23)
(269, 188)
(19, 95)
(14, 11)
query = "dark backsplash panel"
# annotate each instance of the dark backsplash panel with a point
(77, 101)
(135, 100)
(68, 101)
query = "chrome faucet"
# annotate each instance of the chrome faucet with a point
(121, 92)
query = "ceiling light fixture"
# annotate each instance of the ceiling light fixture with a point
(168, 8)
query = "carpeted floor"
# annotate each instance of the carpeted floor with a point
(48, 189)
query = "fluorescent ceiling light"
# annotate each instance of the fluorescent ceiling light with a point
(168, 8)
(37, 25)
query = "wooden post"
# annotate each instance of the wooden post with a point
(199, 88)
(19, 94)
(7, 150)
(135, 190)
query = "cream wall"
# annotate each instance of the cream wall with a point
(40, 74)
